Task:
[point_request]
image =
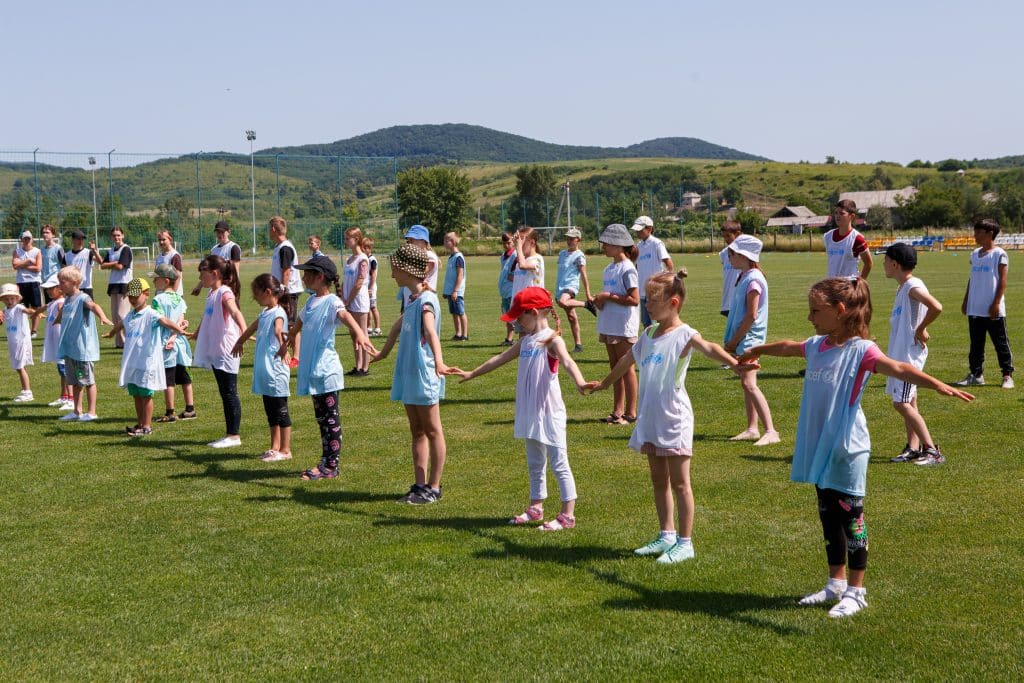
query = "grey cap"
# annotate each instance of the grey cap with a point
(165, 270)
(617, 235)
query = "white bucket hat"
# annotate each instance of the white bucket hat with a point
(749, 246)
(10, 289)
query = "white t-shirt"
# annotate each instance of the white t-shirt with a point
(729, 277)
(218, 333)
(168, 259)
(521, 278)
(124, 275)
(350, 273)
(294, 284)
(623, 321)
(984, 278)
(19, 336)
(906, 315)
(540, 410)
(649, 261)
(664, 413)
(83, 261)
(142, 362)
(24, 274)
(51, 341)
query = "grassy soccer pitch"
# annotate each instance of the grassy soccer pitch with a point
(160, 558)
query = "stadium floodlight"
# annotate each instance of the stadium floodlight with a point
(250, 135)
(95, 219)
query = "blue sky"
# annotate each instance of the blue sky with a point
(791, 80)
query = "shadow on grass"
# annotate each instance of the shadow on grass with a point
(241, 476)
(474, 401)
(736, 607)
(321, 499)
(768, 458)
(471, 524)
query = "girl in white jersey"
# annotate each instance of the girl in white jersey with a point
(664, 426)
(16, 320)
(540, 411)
(170, 256)
(618, 317)
(356, 295)
(833, 446)
(529, 266)
(844, 246)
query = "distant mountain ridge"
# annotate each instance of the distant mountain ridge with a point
(465, 142)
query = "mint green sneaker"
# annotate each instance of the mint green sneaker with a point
(656, 547)
(677, 553)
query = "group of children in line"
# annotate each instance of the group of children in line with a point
(832, 443)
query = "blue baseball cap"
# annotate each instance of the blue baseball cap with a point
(418, 232)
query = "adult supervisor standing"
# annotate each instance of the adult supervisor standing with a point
(283, 262)
(118, 261)
(226, 249)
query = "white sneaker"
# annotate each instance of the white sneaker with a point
(87, 417)
(853, 601)
(226, 442)
(1007, 381)
(656, 547)
(971, 381)
(56, 403)
(70, 417)
(829, 593)
(275, 456)
(67, 404)
(677, 553)
(23, 397)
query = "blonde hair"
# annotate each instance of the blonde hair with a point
(453, 237)
(70, 274)
(855, 296)
(280, 225)
(665, 285)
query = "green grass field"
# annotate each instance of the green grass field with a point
(160, 558)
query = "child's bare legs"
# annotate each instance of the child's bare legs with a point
(23, 376)
(509, 332)
(275, 438)
(624, 390)
(671, 475)
(569, 305)
(429, 449)
(144, 411)
(362, 359)
(756, 407)
(661, 483)
(90, 395)
(463, 320)
(169, 399)
(374, 323)
(917, 430)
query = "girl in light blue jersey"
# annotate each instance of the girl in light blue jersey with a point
(832, 443)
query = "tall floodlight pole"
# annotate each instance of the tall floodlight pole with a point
(250, 135)
(95, 218)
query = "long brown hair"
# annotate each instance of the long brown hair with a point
(262, 283)
(855, 295)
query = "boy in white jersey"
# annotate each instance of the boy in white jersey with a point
(652, 258)
(984, 305)
(844, 245)
(912, 312)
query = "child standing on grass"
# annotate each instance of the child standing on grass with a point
(540, 410)
(79, 344)
(912, 312)
(374, 321)
(176, 351)
(844, 245)
(418, 380)
(270, 374)
(320, 373)
(505, 275)
(730, 231)
(652, 258)
(572, 270)
(455, 287)
(529, 265)
(618, 321)
(833, 446)
(747, 326)
(356, 296)
(16, 319)
(664, 426)
(142, 363)
(51, 339)
(985, 306)
(419, 236)
(216, 335)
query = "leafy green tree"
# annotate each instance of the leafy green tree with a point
(77, 216)
(437, 198)
(751, 220)
(879, 218)
(733, 192)
(536, 190)
(20, 213)
(879, 180)
(1010, 206)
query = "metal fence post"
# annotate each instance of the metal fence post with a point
(199, 200)
(277, 172)
(110, 186)
(35, 183)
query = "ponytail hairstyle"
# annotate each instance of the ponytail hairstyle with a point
(558, 325)
(225, 270)
(855, 296)
(262, 283)
(633, 252)
(357, 233)
(665, 285)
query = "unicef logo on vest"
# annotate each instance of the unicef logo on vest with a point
(827, 375)
(653, 359)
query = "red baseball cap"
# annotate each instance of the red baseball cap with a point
(529, 299)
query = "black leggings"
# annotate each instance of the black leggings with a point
(227, 385)
(326, 408)
(846, 532)
(276, 408)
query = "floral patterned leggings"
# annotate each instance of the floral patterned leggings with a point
(325, 406)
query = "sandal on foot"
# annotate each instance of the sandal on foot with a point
(629, 418)
(316, 473)
(530, 514)
(167, 418)
(615, 419)
(131, 430)
(559, 523)
(275, 456)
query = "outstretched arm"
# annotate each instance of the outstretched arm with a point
(787, 348)
(908, 373)
(362, 342)
(490, 364)
(624, 365)
(389, 343)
